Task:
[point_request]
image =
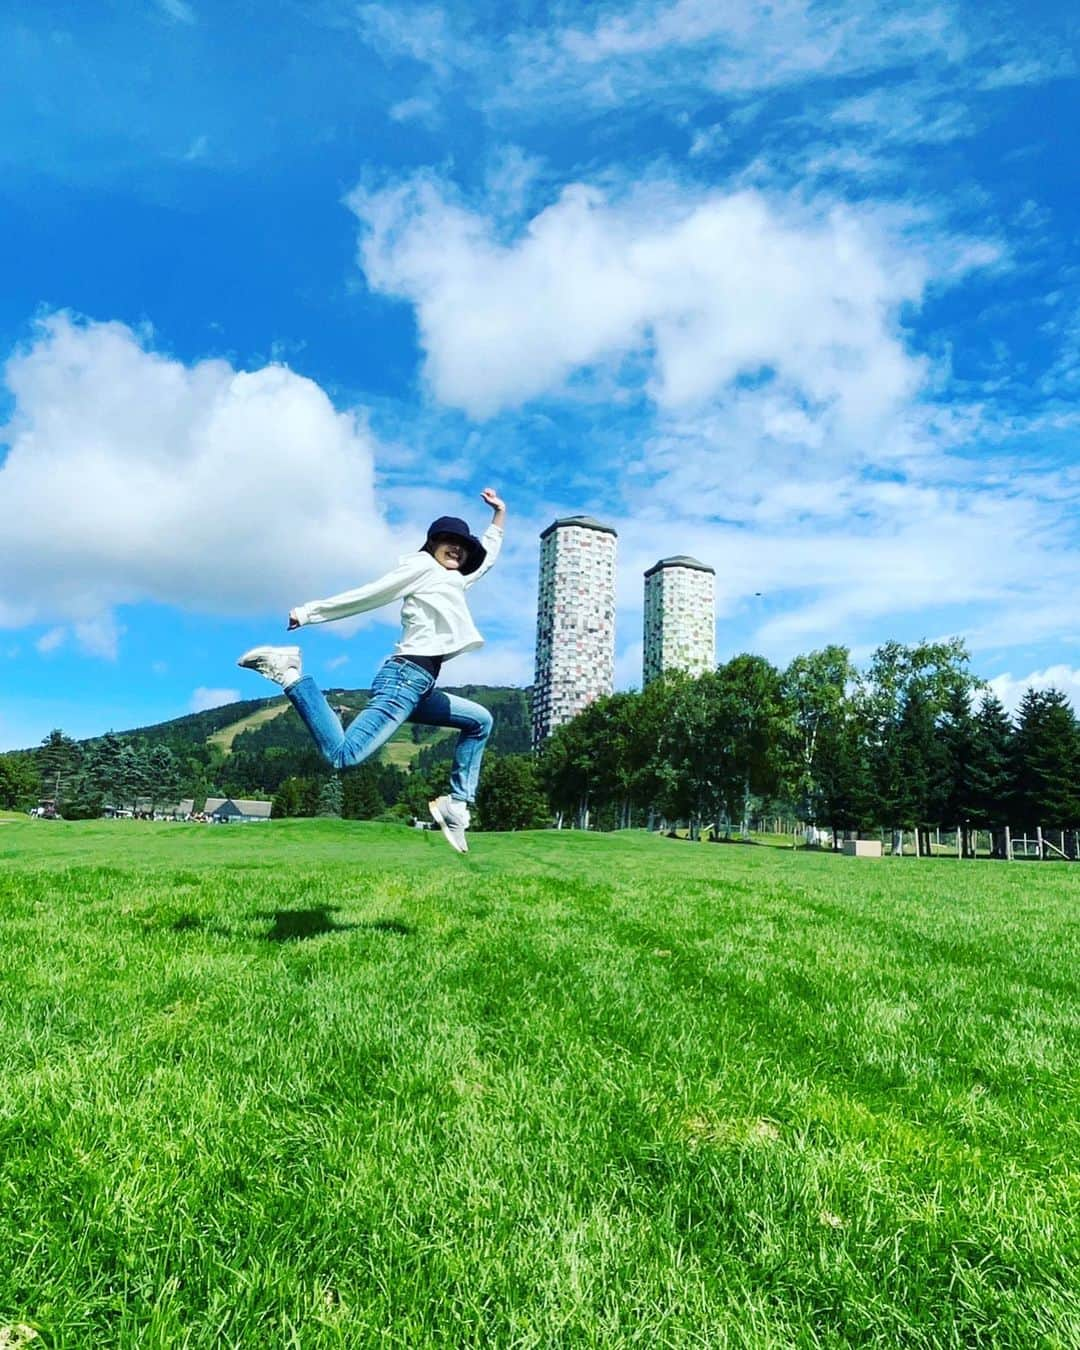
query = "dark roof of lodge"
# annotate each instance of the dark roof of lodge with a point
(680, 560)
(583, 522)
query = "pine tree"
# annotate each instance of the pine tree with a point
(1046, 758)
(391, 783)
(330, 794)
(102, 764)
(848, 798)
(955, 790)
(58, 760)
(360, 795)
(918, 763)
(286, 801)
(901, 683)
(991, 770)
(163, 776)
(309, 796)
(132, 774)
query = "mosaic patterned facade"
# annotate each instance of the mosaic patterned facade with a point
(575, 622)
(680, 617)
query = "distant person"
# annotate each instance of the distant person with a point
(435, 625)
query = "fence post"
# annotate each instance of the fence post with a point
(1008, 844)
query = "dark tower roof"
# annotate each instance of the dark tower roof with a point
(582, 522)
(680, 560)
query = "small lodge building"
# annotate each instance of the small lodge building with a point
(221, 810)
(235, 810)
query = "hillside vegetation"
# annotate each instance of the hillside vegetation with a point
(323, 1084)
(224, 738)
(258, 747)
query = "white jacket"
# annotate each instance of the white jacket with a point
(435, 618)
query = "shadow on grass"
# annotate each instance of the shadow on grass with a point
(297, 925)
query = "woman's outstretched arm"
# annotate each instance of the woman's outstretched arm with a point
(497, 505)
(492, 537)
(393, 586)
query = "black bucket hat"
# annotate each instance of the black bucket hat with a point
(455, 526)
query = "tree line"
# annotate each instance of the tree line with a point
(913, 742)
(83, 778)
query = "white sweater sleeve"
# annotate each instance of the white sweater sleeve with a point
(492, 541)
(394, 585)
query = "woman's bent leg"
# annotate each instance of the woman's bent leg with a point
(317, 715)
(395, 692)
(473, 722)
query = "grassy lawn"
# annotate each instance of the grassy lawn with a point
(323, 1084)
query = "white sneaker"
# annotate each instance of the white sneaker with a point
(280, 664)
(453, 819)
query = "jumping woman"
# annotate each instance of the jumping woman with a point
(435, 625)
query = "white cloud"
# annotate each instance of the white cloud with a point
(336, 662)
(707, 290)
(499, 662)
(197, 150)
(630, 660)
(660, 51)
(746, 45)
(935, 61)
(99, 636)
(510, 178)
(904, 538)
(204, 698)
(1062, 677)
(793, 438)
(52, 640)
(132, 477)
(709, 141)
(915, 114)
(651, 48)
(1016, 66)
(416, 109)
(177, 10)
(425, 34)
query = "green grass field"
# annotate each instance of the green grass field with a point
(322, 1084)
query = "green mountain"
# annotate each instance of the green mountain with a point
(251, 747)
(254, 745)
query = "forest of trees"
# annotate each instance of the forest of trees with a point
(911, 743)
(154, 767)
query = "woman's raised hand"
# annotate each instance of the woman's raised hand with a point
(493, 499)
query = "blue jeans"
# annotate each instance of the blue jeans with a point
(401, 692)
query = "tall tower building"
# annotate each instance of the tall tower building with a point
(680, 617)
(575, 621)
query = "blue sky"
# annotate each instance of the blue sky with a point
(792, 287)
